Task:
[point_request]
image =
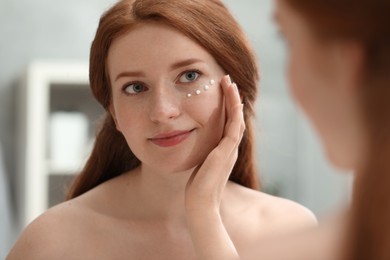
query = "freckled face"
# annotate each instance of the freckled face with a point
(152, 70)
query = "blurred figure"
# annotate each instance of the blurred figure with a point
(339, 72)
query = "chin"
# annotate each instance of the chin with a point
(174, 166)
(189, 163)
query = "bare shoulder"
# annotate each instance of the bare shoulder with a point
(277, 213)
(83, 227)
(324, 242)
(270, 227)
(52, 235)
(287, 212)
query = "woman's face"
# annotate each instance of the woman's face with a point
(321, 81)
(160, 102)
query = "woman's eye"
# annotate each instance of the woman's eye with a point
(134, 88)
(189, 76)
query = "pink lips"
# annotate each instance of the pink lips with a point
(170, 139)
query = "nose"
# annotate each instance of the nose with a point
(164, 106)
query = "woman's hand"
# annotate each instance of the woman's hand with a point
(205, 187)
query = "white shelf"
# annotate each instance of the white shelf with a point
(48, 87)
(54, 169)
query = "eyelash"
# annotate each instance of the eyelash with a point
(142, 84)
(190, 70)
(132, 83)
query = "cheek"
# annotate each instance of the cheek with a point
(310, 86)
(296, 73)
(209, 115)
(208, 108)
(129, 121)
(303, 74)
(132, 126)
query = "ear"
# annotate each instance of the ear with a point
(111, 110)
(350, 64)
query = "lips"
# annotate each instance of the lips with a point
(170, 138)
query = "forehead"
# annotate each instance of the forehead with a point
(153, 44)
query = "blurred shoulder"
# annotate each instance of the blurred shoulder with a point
(53, 234)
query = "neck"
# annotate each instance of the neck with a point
(160, 195)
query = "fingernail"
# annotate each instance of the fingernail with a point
(235, 87)
(229, 79)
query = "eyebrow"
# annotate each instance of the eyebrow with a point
(130, 74)
(174, 66)
(184, 63)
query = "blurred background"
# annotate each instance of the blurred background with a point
(44, 50)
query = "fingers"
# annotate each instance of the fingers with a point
(231, 94)
(209, 179)
(221, 160)
(233, 108)
(225, 154)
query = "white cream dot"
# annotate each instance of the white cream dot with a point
(189, 95)
(206, 87)
(212, 82)
(197, 92)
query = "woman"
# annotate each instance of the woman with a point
(158, 68)
(339, 70)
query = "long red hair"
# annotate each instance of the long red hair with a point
(366, 22)
(207, 22)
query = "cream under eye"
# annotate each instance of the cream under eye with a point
(189, 76)
(134, 88)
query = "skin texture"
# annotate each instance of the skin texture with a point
(153, 211)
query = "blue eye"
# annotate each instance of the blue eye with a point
(134, 88)
(189, 76)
